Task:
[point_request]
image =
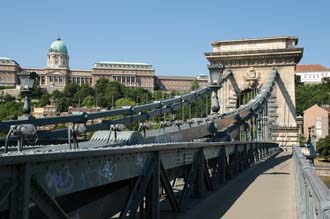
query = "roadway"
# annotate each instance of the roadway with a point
(263, 191)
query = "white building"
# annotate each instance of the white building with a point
(312, 74)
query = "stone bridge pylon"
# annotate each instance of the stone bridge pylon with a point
(251, 62)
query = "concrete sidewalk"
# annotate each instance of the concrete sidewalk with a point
(262, 191)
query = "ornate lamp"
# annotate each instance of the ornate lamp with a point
(215, 71)
(27, 80)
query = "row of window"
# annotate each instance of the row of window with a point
(7, 77)
(126, 80)
(315, 76)
(80, 80)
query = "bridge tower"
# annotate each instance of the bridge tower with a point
(251, 62)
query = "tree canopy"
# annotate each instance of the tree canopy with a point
(323, 147)
(310, 94)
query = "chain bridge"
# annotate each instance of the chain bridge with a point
(159, 173)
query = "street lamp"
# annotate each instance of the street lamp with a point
(215, 71)
(309, 141)
(27, 80)
(310, 152)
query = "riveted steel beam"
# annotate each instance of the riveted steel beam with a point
(152, 192)
(20, 196)
(168, 189)
(6, 190)
(47, 204)
(140, 186)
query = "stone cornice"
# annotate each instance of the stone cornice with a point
(267, 39)
(268, 51)
(257, 58)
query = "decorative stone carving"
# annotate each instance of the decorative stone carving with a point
(251, 78)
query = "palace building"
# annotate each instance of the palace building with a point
(57, 74)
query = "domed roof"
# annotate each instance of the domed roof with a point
(58, 46)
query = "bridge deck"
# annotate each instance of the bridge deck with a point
(263, 191)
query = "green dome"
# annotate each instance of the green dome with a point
(58, 46)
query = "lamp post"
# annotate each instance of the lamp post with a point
(313, 137)
(27, 80)
(215, 71)
(309, 141)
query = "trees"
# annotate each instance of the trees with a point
(323, 147)
(301, 140)
(124, 102)
(70, 89)
(114, 89)
(308, 95)
(101, 85)
(44, 100)
(194, 85)
(10, 110)
(89, 101)
(82, 92)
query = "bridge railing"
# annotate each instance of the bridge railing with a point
(313, 198)
(132, 173)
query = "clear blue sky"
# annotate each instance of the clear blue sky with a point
(172, 35)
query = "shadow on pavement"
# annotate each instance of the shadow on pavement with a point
(216, 204)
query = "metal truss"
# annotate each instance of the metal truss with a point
(41, 181)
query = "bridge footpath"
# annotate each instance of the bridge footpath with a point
(263, 191)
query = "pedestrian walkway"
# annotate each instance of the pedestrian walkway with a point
(263, 191)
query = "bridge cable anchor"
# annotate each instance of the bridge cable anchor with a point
(23, 132)
(74, 132)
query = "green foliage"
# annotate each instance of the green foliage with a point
(101, 85)
(139, 95)
(124, 102)
(70, 89)
(7, 98)
(57, 94)
(82, 92)
(10, 110)
(89, 101)
(63, 104)
(105, 94)
(308, 95)
(194, 85)
(323, 147)
(44, 100)
(301, 140)
(6, 87)
(114, 89)
(297, 80)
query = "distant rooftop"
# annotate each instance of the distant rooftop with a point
(294, 38)
(311, 68)
(6, 60)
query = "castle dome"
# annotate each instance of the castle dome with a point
(58, 46)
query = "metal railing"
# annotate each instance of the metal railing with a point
(313, 198)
